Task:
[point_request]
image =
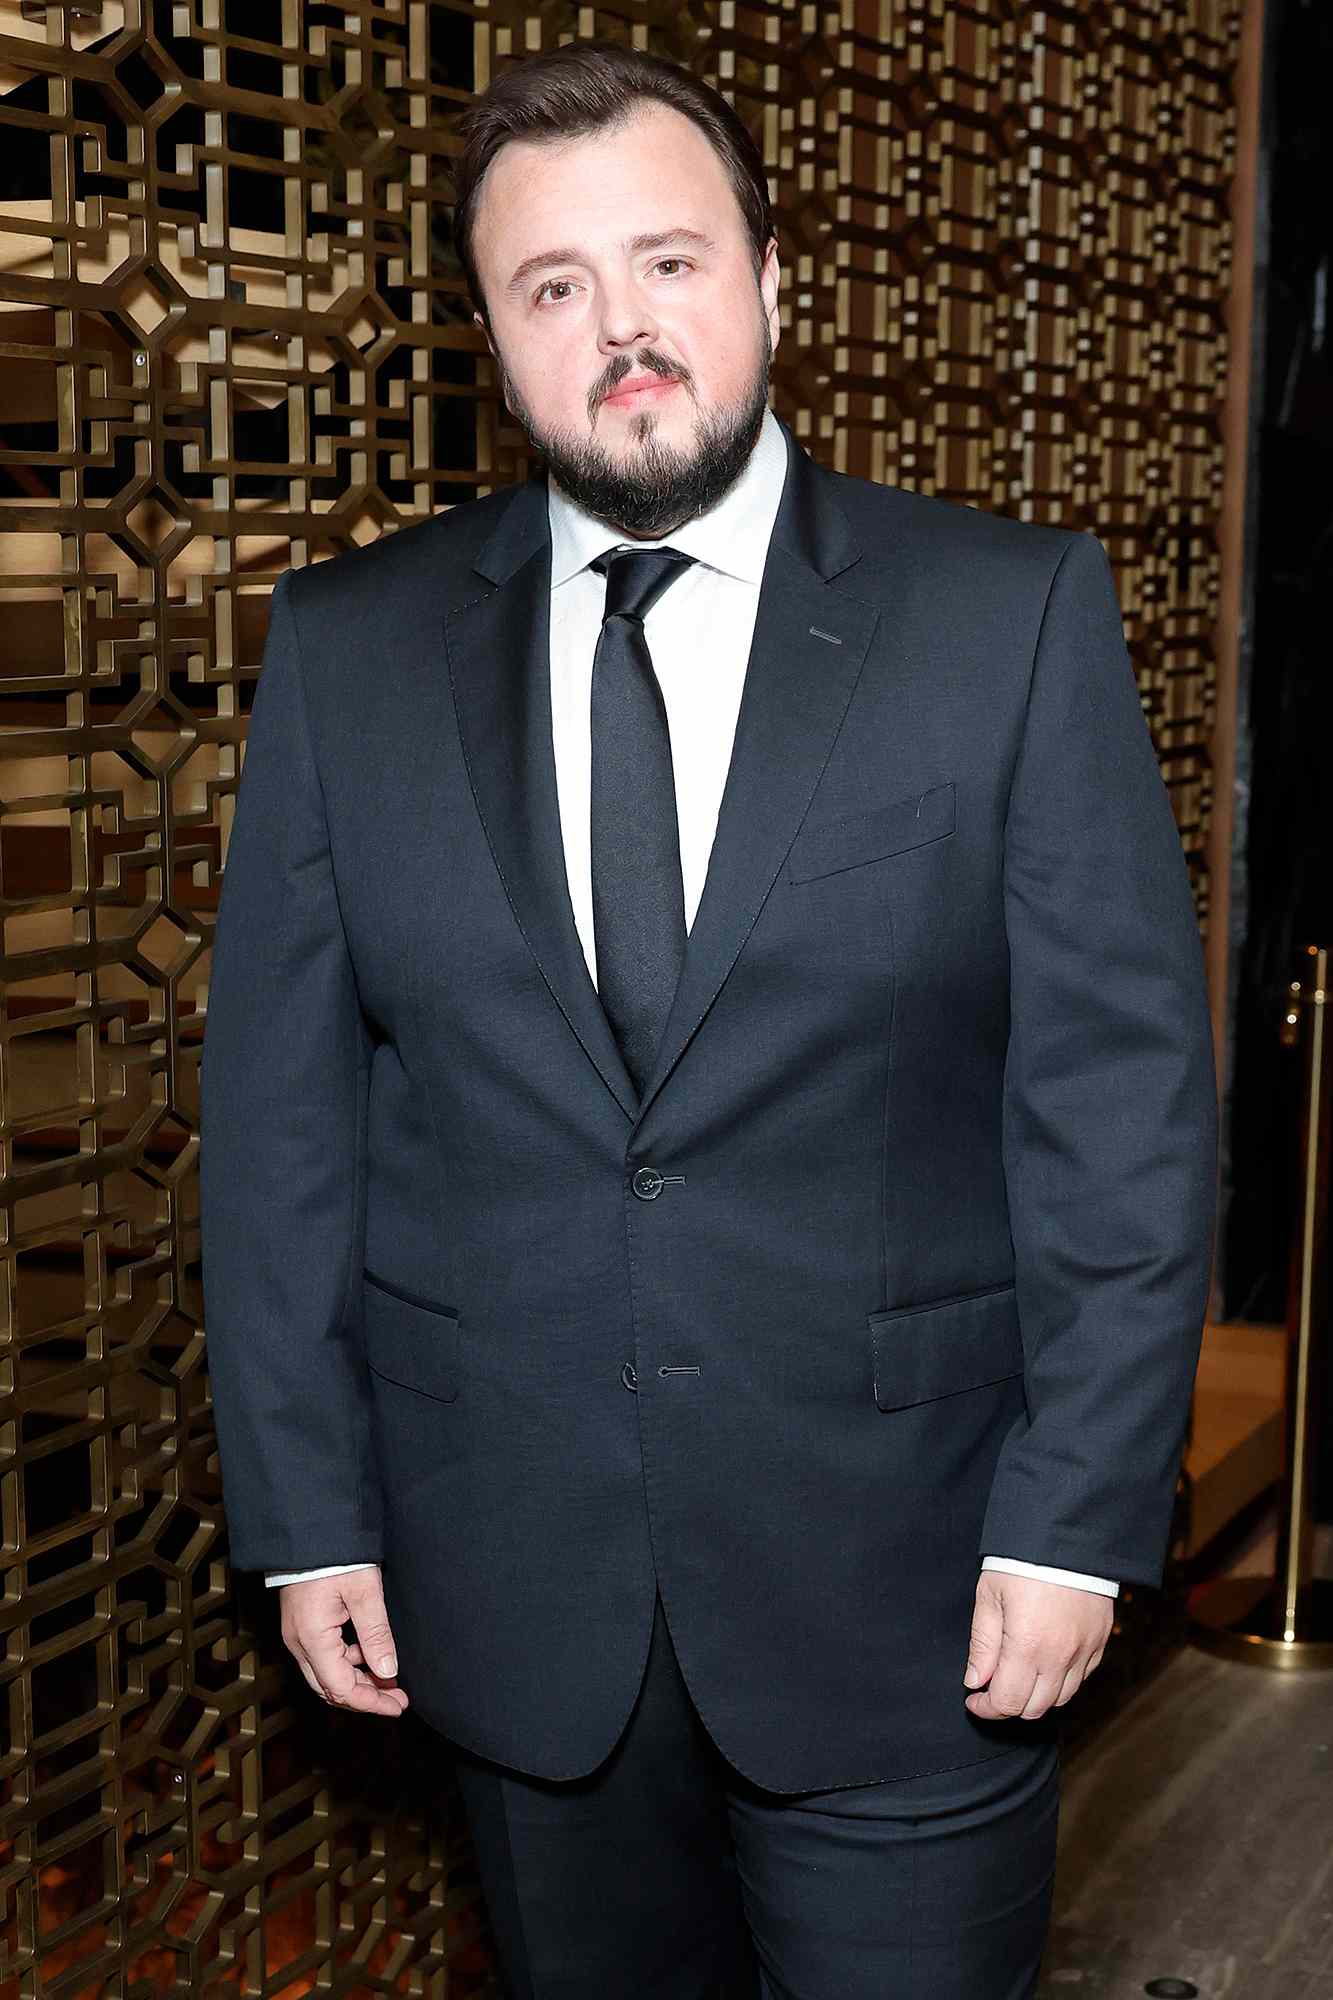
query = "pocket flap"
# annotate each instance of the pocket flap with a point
(413, 1344)
(931, 1350)
(869, 836)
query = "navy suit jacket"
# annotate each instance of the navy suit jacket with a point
(901, 1257)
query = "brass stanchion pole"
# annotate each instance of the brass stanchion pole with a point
(1286, 1620)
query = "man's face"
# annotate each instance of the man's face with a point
(632, 334)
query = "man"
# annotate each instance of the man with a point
(708, 1124)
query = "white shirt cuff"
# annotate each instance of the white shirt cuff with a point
(1073, 1577)
(301, 1575)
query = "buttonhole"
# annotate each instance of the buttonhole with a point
(680, 1371)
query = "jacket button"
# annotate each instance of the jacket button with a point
(629, 1378)
(647, 1183)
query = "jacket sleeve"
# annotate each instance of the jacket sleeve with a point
(1109, 1132)
(283, 1090)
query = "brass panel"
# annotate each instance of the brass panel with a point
(233, 337)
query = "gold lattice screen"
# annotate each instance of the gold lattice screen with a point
(233, 337)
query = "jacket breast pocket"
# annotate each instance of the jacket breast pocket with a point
(409, 1340)
(871, 836)
(932, 1350)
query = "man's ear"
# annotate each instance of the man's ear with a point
(495, 355)
(770, 279)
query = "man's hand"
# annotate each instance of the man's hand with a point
(1034, 1641)
(313, 1615)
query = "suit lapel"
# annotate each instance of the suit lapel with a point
(797, 687)
(809, 645)
(499, 663)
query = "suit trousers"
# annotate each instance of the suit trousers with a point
(667, 1875)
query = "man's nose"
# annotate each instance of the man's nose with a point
(627, 318)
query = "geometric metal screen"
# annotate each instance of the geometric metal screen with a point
(233, 337)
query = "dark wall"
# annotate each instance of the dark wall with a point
(1286, 854)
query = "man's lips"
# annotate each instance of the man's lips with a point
(648, 385)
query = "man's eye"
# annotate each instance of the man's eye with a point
(548, 283)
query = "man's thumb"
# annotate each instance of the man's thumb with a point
(984, 1645)
(364, 1597)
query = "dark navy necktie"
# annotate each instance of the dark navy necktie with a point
(638, 902)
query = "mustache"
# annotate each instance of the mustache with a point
(622, 364)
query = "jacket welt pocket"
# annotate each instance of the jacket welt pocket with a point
(873, 835)
(925, 1351)
(410, 1341)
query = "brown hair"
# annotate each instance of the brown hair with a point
(581, 88)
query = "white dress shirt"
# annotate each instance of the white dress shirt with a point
(707, 614)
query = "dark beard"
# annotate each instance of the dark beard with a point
(659, 486)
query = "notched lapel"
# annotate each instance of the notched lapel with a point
(498, 648)
(810, 644)
(797, 689)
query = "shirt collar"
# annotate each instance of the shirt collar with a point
(731, 536)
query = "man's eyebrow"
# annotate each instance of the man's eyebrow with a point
(645, 240)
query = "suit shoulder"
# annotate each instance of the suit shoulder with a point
(946, 530)
(426, 552)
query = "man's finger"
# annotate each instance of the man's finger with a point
(1044, 1691)
(1011, 1684)
(307, 1672)
(1071, 1683)
(365, 1607)
(346, 1685)
(984, 1641)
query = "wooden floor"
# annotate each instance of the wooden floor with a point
(1196, 1840)
(1235, 1446)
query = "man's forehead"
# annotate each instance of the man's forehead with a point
(524, 167)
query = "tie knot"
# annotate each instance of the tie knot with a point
(636, 578)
